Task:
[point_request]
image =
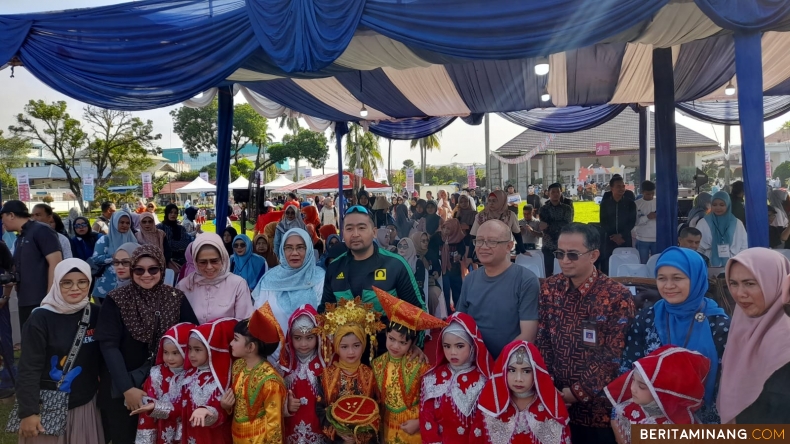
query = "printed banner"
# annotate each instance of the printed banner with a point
(23, 187)
(358, 172)
(410, 179)
(602, 148)
(767, 164)
(204, 175)
(308, 172)
(88, 190)
(148, 185)
(471, 179)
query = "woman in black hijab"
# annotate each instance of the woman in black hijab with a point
(176, 238)
(84, 240)
(228, 235)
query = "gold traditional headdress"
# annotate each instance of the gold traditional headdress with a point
(346, 313)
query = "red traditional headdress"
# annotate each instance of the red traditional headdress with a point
(288, 354)
(216, 336)
(482, 357)
(264, 327)
(401, 312)
(179, 334)
(675, 377)
(495, 398)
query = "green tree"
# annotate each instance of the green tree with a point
(245, 167)
(211, 169)
(160, 182)
(187, 176)
(292, 123)
(120, 145)
(60, 134)
(13, 152)
(786, 125)
(248, 127)
(408, 163)
(711, 168)
(305, 144)
(362, 151)
(426, 144)
(782, 172)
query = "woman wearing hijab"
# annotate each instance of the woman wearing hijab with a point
(683, 317)
(723, 235)
(444, 210)
(56, 223)
(228, 235)
(132, 320)
(291, 219)
(432, 220)
(330, 253)
(419, 210)
(380, 212)
(190, 213)
(756, 364)
(408, 251)
(403, 224)
(245, 262)
(212, 290)
(465, 212)
(176, 237)
(149, 234)
(49, 335)
(310, 214)
(84, 241)
(74, 213)
(120, 233)
(777, 198)
(455, 254)
(701, 208)
(189, 265)
(421, 242)
(264, 249)
(318, 244)
(295, 282)
(122, 264)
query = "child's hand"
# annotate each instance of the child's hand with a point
(293, 402)
(411, 426)
(199, 416)
(228, 400)
(144, 409)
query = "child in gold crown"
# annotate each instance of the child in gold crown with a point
(344, 329)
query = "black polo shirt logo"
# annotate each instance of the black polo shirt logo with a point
(340, 276)
(380, 274)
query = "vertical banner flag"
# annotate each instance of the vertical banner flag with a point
(470, 176)
(87, 188)
(308, 172)
(768, 164)
(204, 175)
(602, 148)
(410, 179)
(148, 186)
(23, 187)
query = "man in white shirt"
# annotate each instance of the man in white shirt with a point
(646, 222)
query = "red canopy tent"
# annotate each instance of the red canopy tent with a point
(327, 183)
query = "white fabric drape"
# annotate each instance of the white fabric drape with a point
(246, 75)
(200, 102)
(776, 58)
(429, 89)
(558, 79)
(331, 92)
(635, 84)
(272, 110)
(677, 23)
(370, 50)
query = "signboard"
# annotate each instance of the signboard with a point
(87, 188)
(346, 181)
(471, 179)
(602, 148)
(410, 179)
(204, 175)
(358, 172)
(308, 172)
(148, 186)
(23, 187)
(767, 164)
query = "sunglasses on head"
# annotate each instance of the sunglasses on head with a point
(153, 271)
(357, 209)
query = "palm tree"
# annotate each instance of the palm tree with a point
(292, 123)
(428, 143)
(362, 151)
(786, 125)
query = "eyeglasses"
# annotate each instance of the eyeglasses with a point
(81, 284)
(122, 263)
(205, 262)
(80, 225)
(290, 249)
(239, 245)
(153, 271)
(572, 255)
(488, 243)
(357, 209)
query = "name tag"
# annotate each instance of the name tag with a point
(589, 334)
(724, 250)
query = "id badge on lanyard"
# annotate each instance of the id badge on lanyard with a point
(589, 333)
(724, 251)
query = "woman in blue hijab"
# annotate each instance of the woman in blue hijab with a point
(723, 235)
(295, 282)
(245, 262)
(101, 261)
(683, 317)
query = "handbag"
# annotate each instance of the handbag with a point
(54, 404)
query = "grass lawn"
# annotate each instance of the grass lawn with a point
(584, 212)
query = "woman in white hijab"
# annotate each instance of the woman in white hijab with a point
(48, 336)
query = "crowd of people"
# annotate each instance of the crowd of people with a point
(158, 332)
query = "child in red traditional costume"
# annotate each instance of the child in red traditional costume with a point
(163, 387)
(302, 364)
(399, 377)
(257, 393)
(665, 387)
(519, 404)
(344, 328)
(450, 389)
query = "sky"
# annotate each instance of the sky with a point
(459, 142)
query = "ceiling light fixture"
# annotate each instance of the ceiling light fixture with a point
(542, 66)
(364, 111)
(545, 97)
(729, 89)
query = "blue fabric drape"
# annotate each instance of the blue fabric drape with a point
(592, 73)
(463, 28)
(12, 34)
(497, 85)
(224, 133)
(411, 128)
(666, 149)
(564, 120)
(643, 141)
(747, 16)
(748, 63)
(290, 95)
(377, 91)
(703, 66)
(726, 112)
(304, 35)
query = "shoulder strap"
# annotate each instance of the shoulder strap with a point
(77, 344)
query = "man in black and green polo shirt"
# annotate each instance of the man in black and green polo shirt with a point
(364, 266)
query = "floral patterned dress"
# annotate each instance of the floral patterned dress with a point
(260, 396)
(304, 427)
(398, 382)
(200, 389)
(334, 384)
(530, 426)
(448, 406)
(159, 426)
